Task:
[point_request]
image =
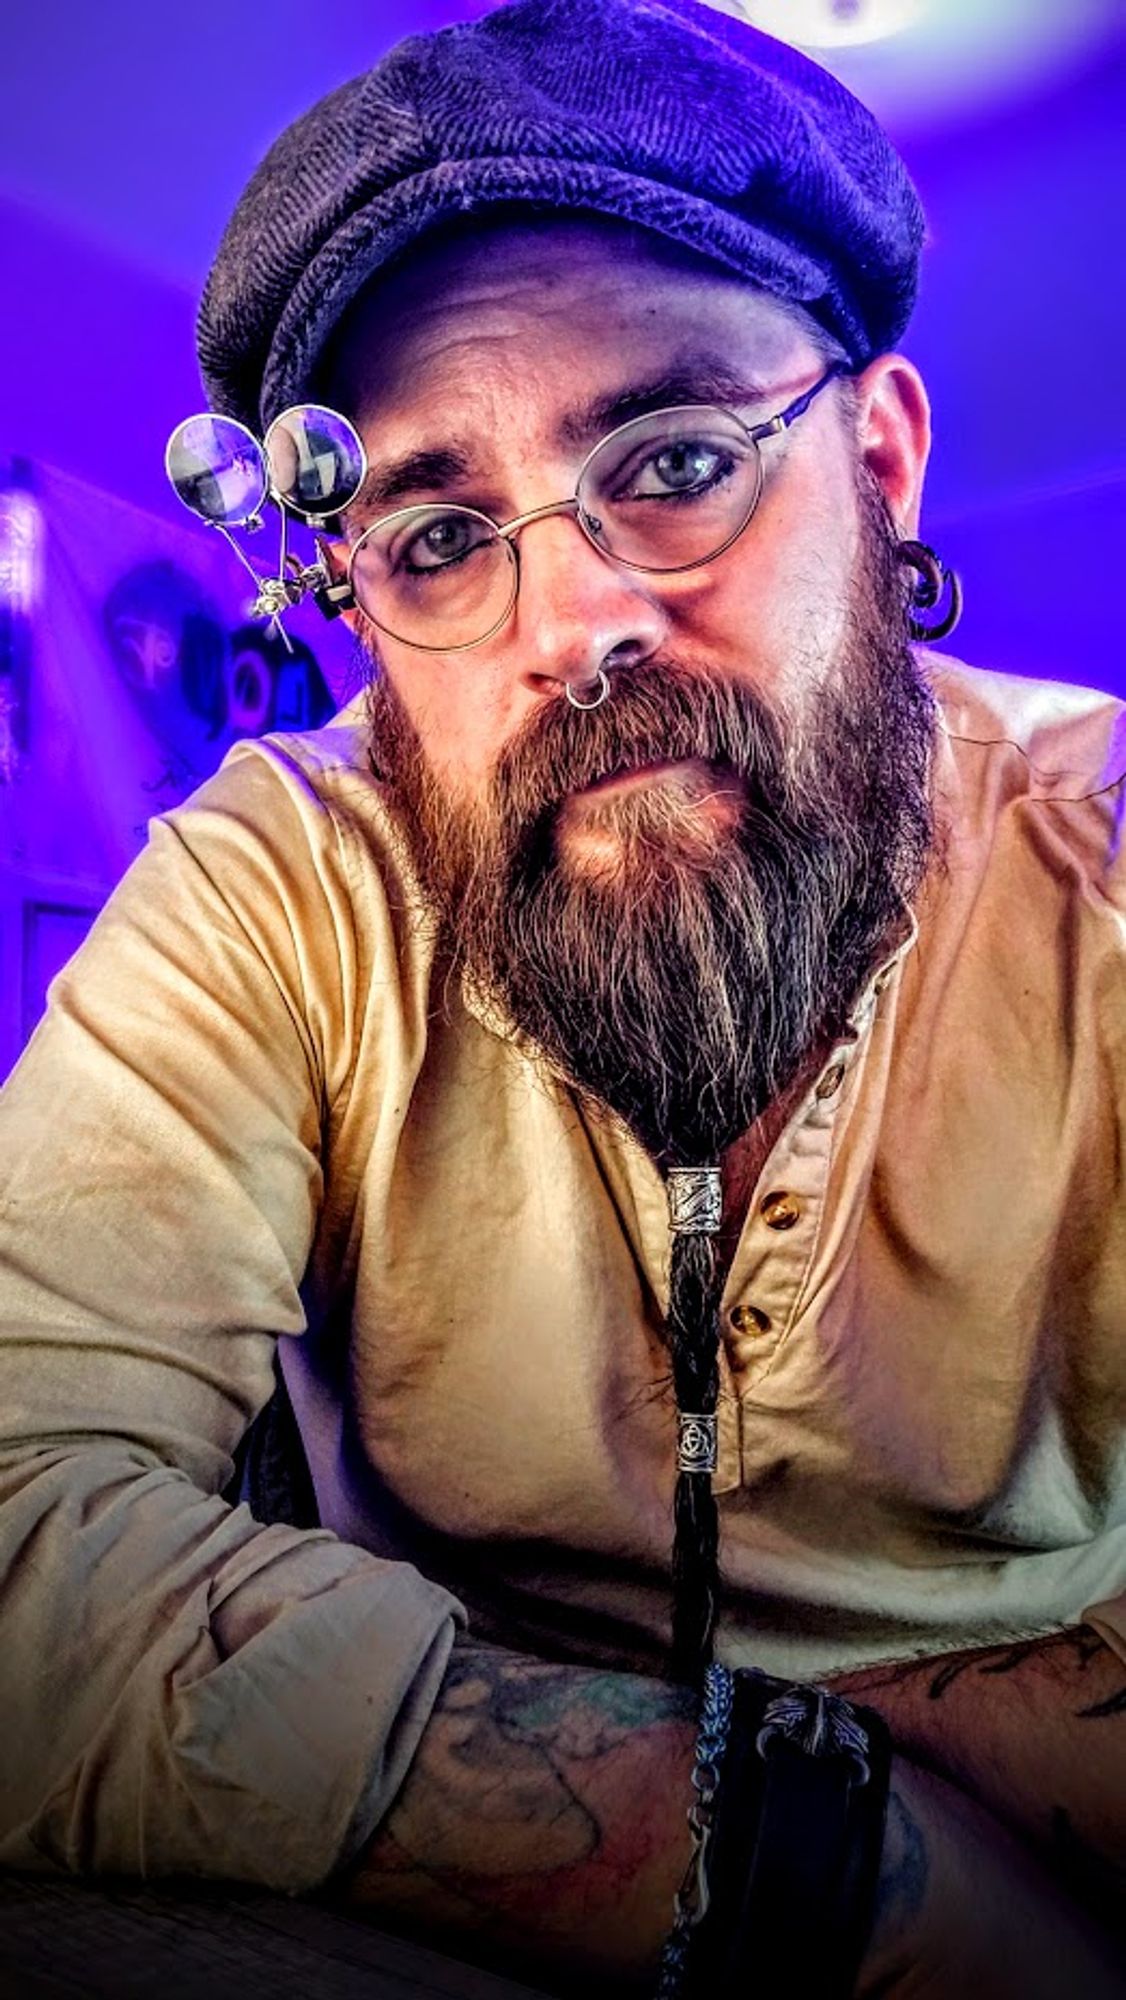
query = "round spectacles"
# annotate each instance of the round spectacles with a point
(664, 493)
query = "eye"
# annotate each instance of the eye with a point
(444, 539)
(681, 468)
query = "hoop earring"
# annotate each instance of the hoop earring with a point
(932, 580)
(602, 689)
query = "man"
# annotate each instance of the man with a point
(655, 848)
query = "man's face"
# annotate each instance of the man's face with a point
(699, 845)
(499, 349)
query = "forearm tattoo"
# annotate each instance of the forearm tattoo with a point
(1035, 1732)
(505, 1788)
(1070, 1656)
(1072, 1651)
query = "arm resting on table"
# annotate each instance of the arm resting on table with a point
(543, 1827)
(181, 1689)
(1035, 1731)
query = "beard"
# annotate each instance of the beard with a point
(679, 947)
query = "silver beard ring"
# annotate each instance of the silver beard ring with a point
(602, 689)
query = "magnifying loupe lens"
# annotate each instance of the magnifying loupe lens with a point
(217, 469)
(316, 461)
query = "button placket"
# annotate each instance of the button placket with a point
(780, 1234)
(774, 1252)
(728, 1474)
(778, 1248)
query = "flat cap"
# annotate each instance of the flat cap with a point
(663, 113)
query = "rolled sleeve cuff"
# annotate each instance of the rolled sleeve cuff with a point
(265, 1736)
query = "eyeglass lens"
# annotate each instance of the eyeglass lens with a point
(664, 493)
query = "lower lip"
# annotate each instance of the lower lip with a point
(630, 781)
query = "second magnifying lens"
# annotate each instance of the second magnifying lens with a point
(316, 461)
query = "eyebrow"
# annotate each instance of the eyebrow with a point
(695, 377)
(692, 377)
(429, 470)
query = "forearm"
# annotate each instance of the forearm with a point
(964, 1907)
(544, 1817)
(543, 1826)
(1036, 1732)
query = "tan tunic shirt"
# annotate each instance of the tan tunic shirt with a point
(257, 1109)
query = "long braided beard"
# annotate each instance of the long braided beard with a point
(679, 947)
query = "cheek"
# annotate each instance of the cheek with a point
(775, 608)
(459, 710)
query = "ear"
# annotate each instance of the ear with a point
(894, 434)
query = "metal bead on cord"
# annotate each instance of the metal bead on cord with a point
(695, 1196)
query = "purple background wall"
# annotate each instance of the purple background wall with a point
(126, 132)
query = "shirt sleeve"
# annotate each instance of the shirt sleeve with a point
(182, 1689)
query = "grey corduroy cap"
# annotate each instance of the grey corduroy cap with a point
(660, 112)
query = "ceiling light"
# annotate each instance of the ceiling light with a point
(827, 24)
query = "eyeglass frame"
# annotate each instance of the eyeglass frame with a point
(507, 531)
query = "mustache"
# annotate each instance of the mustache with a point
(659, 712)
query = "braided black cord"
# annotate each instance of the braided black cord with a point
(693, 1332)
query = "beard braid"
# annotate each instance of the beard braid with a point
(712, 927)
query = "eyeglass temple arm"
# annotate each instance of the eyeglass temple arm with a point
(800, 404)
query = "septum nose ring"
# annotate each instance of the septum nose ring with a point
(601, 690)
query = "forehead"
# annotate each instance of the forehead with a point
(542, 312)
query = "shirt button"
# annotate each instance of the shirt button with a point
(780, 1210)
(829, 1084)
(750, 1319)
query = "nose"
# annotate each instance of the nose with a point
(577, 612)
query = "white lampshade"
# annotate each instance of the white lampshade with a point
(827, 24)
